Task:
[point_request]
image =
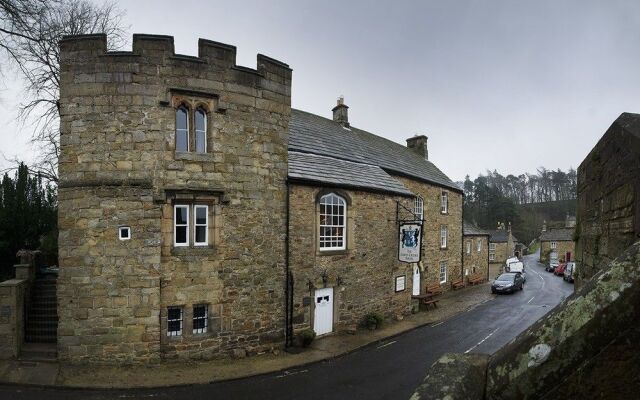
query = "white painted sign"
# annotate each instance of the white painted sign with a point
(410, 242)
(400, 283)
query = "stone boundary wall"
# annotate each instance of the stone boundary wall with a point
(608, 209)
(12, 305)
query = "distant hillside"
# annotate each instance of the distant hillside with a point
(533, 215)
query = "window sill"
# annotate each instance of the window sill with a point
(444, 248)
(193, 156)
(193, 251)
(332, 252)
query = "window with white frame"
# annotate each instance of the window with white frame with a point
(182, 129)
(333, 222)
(492, 251)
(444, 203)
(174, 321)
(418, 208)
(200, 317)
(181, 225)
(443, 271)
(479, 245)
(443, 236)
(200, 225)
(468, 246)
(554, 245)
(201, 130)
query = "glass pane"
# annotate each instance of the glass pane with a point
(181, 119)
(201, 234)
(173, 313)
(198, 311)
(200, 142)
(182, 140)
(174, 326)
(181, 215)
(201, 215)
(200, 120)
(181, 234)
(198, 324)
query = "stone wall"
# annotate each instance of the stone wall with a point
(363, 275)
(496, 265)
(562, 248)
(432, 254)
(119, 167)
(12, 304)
(608, 209)
(476, 263)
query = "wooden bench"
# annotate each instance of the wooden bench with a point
(459, 284)
(476, 279)
(427, 300)
(434, 289)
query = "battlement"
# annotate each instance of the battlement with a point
(160, 47)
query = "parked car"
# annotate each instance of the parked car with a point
(551, 267)
(507, 283)
(559, 271)
(569, 272)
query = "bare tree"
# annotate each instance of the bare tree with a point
(29, 36)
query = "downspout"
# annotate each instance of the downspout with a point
(462, 241)
(488, 241)
(288, 292)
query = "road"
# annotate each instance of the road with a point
(387, 370)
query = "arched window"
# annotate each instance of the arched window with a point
(201, 131)
(182, 129)
(418, 208)
(333, 222)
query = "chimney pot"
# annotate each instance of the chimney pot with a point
(341, 113)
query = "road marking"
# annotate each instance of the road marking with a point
(287, 373)
(438, 324)
(482, 341)
(531, 299)
(386, 344)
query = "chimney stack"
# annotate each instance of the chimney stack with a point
(341, 113)
(544, 226)
(418, 144)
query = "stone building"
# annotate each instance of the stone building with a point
(558, 242)
(370, 182)
(200, 216)
(608, 209)
(476, 251)
(502, 245)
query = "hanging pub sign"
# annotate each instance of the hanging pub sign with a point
(410, 242)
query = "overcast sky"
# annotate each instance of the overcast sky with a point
(507, 85)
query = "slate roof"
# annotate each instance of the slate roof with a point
(470, 229)
(557, 235)
(501, 235)
(314, 168)
(309, 133)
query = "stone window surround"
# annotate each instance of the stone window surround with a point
(443, 271)
(210, 198)
(444, 202)
(444, 237)
(187, 323)
(479, 245)
(350, 244)
(468, 245)
(193, 102)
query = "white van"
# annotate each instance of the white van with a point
(516, 266)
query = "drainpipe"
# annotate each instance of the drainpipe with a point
(462, 241)
(288, 290)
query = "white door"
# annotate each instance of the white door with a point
(416, 280)
(323, 315)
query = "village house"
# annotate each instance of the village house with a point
(558, 243)
(200, 216)
(502, 245)
(476, 252)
